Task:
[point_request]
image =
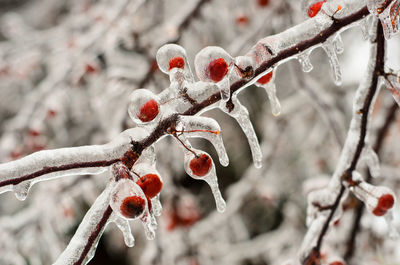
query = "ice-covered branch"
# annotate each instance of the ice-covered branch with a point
(359, 210)
(351, 153)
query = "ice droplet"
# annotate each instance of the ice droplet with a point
(125, 228)
(207, 128)
(144, 106)
(21, 190)
(304, 60)
(197, 168)
(241, 115)
(334, 62)
(214, 64)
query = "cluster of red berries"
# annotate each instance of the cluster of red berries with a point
(133, 206)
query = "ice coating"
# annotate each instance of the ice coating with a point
(207, 128)
(210, 177)
(320, 202)
(214, 64)
(270, 88)
(347, 151)
(144, 106)
(49, 164)
(304, 60)
(97, 212)
(125, 228)
(330, 50)
(172, 60)
(390, 19)
(376, 7)
(241, 115)
(372, 195)
(124, 189)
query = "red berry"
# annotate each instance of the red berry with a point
(315, 8)
(33, 132)
(151, 185)
(385, 203)
(263, 3)
(148, 111)
(217, 69)
(132, 206)
(176, 62)
(201, 165)
(242, 19)
(265, 79)
(336, 263)
(90, 69)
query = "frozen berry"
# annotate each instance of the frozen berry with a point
(265, 79)
(201, 165)
(217, 69)
(151, 185)
(385, 203)
(315, 8)
(176, 62)
(336, 263)
(132, 206)
(263, 3)
(148, 111)
(242, 19)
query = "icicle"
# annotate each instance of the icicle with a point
(304, 60)
(372, 161)
(214, 64)
(201, 166)
(149, 225)
(338, 43)
(241, 115)
(207, 128)
(268, 83)
(390, 18)
(334, 62)
(378, 199)
(125, 228)
(157, 207)
(21, 190)
(364, 28)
